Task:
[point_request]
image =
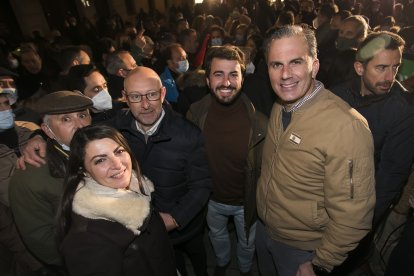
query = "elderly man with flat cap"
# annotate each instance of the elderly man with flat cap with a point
(34, 193)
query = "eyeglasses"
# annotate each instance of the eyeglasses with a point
(137, 98)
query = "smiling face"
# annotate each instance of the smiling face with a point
(225, 79)
(142, 81)
(291, 68)
(378, 75)
(108, 163)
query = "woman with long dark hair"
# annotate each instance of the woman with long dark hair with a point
(106, 221)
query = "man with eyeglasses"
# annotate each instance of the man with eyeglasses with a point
(171, 153)
(118, 65)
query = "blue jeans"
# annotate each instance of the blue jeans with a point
(217, 218)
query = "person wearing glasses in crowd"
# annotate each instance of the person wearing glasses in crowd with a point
(171, 153)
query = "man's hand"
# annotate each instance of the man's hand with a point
(305, 269)
(33, 153)
(169, 221)
(140, 40)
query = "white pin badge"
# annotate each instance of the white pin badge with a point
(295, 139)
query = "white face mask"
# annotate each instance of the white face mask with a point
(216, 42)
(11, 94)
(183, 66)
(102, 101)
(6, 119)
(65, 147)
(250, 68)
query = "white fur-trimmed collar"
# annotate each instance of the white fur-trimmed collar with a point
(128, 207)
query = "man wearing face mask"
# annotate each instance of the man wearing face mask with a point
(88, 80)
(217, 35)
(176, 64)
(352, 31)
(13, 134)
(34, 193)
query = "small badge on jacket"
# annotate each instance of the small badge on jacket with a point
(295, 139)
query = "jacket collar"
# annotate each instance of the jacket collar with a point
(355, 92)
(127, 207)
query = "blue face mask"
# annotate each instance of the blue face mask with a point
(216, 42)
(6, 119)
(183, 66)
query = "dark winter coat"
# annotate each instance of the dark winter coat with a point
(174, 160)
(391, 120)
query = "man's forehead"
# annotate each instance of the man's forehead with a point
(95, 77)
(219, 64)
(142, 81)
(385, 56)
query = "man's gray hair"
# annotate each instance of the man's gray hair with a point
(114, 62)
(291, 31)
(362, 26)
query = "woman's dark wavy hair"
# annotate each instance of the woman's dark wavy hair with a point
(75, 169)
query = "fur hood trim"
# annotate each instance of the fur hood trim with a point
(127, 207)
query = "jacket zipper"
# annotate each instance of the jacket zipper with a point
(351, 180)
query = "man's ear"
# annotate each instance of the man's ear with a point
(124, 96)
(121, 73)
(315, 68)
(359, 68)
(208, 82)
(170, 63)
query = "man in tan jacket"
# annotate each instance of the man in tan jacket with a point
(315, 196)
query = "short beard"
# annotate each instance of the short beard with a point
(231, 101)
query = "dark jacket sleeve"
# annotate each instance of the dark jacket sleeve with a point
(198, 183)
(397, 157)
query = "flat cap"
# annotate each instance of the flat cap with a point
(62, 102)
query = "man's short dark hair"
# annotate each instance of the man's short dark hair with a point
(185, 34)
(114, 62)
(214, 28)
(224, 52)
(327, 10)
(168, 52)
(361, 25)
(77, 75)
(378, 41)
(67, 56)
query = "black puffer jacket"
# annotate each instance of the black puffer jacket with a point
(174, 160)
(391, 120)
